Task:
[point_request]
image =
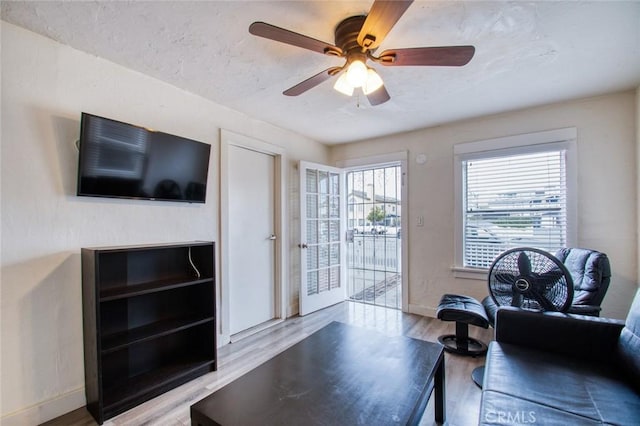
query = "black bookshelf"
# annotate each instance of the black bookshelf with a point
(149, 322)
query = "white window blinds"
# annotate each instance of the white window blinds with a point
(517, 200)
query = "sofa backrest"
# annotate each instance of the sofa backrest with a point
(591, 273)
(629, 341)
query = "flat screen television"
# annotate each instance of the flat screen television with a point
(120, 160)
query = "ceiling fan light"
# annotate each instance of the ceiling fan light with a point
(374, 82)
(357, 74)
(342, 85)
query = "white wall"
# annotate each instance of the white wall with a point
(45, 87)
(607, 219)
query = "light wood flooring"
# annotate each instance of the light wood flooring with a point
(236, 359)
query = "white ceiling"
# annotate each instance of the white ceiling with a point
(527, 53)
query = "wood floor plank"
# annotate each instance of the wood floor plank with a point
(236, 359)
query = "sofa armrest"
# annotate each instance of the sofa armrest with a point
(583, 337)
(591, 310)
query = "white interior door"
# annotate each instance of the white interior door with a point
(251, 242)
(322, 254)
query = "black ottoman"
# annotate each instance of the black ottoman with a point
(463, 310)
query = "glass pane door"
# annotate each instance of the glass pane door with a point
(321, 228)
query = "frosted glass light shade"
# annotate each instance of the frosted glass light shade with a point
(357, 74)
(343, 86)
(373, 83)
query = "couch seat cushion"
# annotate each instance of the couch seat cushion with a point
(524, 385)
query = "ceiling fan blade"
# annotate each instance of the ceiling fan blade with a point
(311, 82)
(262, 29)
(378, 97)
(381, 18)
(448, 56)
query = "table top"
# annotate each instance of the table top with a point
(339, 375)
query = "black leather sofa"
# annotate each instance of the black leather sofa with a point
(560, 369)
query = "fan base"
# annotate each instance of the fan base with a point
(468, 346)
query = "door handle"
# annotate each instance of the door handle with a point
(303, 245)
(272, 237)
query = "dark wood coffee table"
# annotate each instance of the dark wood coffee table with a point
(340, 375)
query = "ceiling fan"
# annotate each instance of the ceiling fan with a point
(356, 39)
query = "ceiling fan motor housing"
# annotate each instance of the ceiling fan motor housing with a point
(346, 34)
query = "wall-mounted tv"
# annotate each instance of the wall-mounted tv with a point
(125, 161)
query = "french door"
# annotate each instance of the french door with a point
(321, 231)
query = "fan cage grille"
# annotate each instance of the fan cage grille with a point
(550, 283)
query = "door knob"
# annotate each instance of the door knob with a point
(303, 245)
(272, 237)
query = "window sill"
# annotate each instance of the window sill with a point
(470, 273)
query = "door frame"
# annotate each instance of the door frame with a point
(227, 139)
(393, 158)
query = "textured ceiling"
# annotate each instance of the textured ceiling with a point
(527, 54)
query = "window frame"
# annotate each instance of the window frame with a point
(551, 140)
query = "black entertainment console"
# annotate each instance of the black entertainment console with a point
(149, 321)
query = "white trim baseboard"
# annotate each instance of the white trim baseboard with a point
(46, 410)
(422, 310)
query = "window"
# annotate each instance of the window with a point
(515, 195)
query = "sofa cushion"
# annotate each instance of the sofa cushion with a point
(543, 385)
(497, 410)
(629, 342)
